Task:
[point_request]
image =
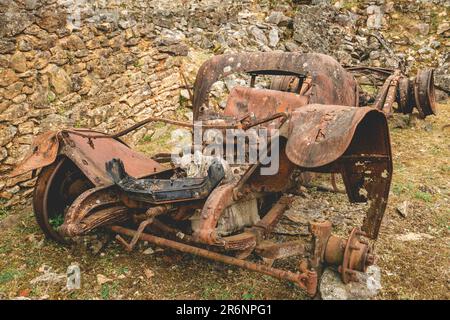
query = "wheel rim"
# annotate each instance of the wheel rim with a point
(57, 187)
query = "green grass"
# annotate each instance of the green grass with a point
(248, 296)
(104, 291)
(51, 97)
(424, 196)
(123, 270)
(55, 222)
(8, 275)
(108, 290)
(400, 188)
(213, 290)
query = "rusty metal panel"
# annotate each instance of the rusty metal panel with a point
(90, 155)
(43, 152)
(331, 83)
(261, 102)
(320, 134)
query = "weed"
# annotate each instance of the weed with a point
(8, 275)
(424, 196)
(146, 138)
(400, 188)
(104, 291)
(55, 222)
(248, 296)
(4, 211)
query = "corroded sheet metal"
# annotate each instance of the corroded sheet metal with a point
(89, 155)
(320, 134)
(43, 152)
(261, 102)
(331, 83)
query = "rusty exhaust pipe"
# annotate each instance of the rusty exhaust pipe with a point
(306, 281)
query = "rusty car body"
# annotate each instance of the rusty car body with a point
(94, 180)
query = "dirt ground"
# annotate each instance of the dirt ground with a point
(413, 251)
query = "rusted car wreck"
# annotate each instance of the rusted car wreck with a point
(95, 180)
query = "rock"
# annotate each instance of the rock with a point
(19, 62)
(258, 35)
(49, 277)
(31, 4)
(15, 21)
(278, 18)
(7, 77)
(442, 76)
(402, 209)
(6, 46)
(316, 2)
(422, 28)
(443, 27)
(273, 38)
(101, 279)
(435, 44)
(170, 37)
(175, 49)
(59, 80)
(184, 93)
(73, 274)
(148, 251)
(368, 286)
(7, 133)
(72, 43)
(375, 17)
(16, 153)
(149, 273)
(411, 236)
(291, 46)
(51, 20)
(55, 122)
(41, 60)
(20, 98)
(15, 112)
(13, 90)
(3, 155)
(374, 55)
(400, 121)
(425, 50)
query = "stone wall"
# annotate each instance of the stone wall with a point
(108, 64)
(96, 64)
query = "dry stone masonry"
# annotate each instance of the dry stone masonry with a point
(108, 64)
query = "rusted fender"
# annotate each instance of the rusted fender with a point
(320, 134)
(331, 83)
(43, 152)
(352, 141)
(89, 155)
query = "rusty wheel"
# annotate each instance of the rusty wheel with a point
(425, 93)
(57, 186)
(405, 96)
(284, 83)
